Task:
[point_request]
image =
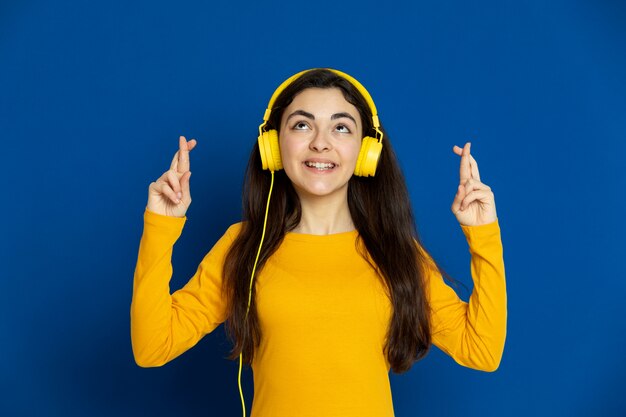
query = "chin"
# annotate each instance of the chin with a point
(321, 191)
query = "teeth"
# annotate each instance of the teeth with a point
(320, 165)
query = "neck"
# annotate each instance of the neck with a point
(325, 215)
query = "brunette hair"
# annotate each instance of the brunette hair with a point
(381, 212)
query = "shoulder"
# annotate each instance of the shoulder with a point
(224, 243)
(233, 231)
(234, 228)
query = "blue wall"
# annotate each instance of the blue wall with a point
(93, 97)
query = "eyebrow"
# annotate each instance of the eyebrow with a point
(310, 116)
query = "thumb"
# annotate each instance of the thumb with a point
(458, 198)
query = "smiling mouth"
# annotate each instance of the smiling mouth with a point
(322, 166)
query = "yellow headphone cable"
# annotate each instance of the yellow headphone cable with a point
(267, 208)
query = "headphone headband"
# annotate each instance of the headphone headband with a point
(366, 95)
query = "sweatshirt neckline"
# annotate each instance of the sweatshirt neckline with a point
(334, 237)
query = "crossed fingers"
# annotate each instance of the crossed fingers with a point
(180, 162)
(469, 166)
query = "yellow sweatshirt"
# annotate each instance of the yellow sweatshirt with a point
(323, 313)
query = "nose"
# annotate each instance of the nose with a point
(320, 142)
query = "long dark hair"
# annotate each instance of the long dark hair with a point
(381, 212)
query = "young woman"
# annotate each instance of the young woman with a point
(325, 287)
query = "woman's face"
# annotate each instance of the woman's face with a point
(320, 138)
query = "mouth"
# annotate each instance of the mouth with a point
(320, 166)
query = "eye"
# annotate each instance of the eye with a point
(343, 129)
(300, 126)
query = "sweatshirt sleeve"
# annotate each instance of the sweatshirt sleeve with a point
(473, 333)
(165, 325)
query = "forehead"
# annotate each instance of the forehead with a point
(321, 101)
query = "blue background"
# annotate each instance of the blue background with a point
(93, 97)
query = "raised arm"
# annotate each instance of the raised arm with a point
(162, 325)
(473, 333)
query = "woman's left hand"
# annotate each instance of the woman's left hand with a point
(474, 202)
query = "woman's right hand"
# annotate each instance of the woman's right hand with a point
(169, 195)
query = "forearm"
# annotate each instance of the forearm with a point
(151, 306)
(473, 333)
(485, 329)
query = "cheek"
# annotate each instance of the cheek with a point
(292, 144)
(288, 150)
(284, 147)
(355, 149)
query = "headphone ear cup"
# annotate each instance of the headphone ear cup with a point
(270, 151)
(368, 157)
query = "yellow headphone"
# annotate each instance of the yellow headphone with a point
(370, 147)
